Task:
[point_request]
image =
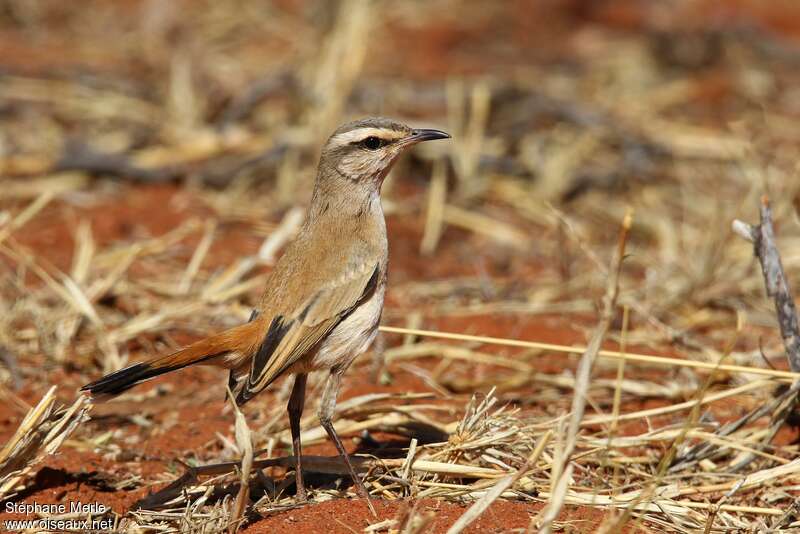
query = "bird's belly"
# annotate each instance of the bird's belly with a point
(352, 336)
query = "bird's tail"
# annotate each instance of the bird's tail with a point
(211, 350)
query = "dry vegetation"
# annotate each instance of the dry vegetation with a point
(584, 208)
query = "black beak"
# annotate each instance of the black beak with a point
(423, 134)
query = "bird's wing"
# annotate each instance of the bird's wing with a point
(290, 336)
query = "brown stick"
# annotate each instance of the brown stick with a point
(765, 249)
(79, 156)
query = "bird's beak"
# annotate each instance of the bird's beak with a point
(424, 134)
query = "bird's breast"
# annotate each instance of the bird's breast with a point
(353, 335)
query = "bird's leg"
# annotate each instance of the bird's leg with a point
(295, 409)
(326, 410)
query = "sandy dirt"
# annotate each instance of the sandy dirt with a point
(189, 411)
(186, 410)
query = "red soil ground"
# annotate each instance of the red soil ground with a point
(193, 410)
(187, 418)
(195, 395)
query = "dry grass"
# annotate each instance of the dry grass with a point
(40, 434)
(544, 165)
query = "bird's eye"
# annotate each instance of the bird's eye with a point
(372, 142)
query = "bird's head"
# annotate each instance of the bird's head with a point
(364, 151)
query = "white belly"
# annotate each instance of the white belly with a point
(352, 336)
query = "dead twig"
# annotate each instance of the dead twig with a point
(562, 469)
(766, 251)
(40, 434)
(80, 156)
(244, 441)
(763, 238)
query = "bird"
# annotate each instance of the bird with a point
(324, 297)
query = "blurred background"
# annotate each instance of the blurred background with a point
(156, 155)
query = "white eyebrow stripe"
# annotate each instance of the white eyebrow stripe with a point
(362, 133)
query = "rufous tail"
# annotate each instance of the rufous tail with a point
(211, 350)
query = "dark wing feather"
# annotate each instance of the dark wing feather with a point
(290, 338)
(233, 381)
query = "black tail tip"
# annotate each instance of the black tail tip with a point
(120, 381)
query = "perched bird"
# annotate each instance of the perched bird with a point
(323, 299)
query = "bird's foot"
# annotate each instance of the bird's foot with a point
(300, 495)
